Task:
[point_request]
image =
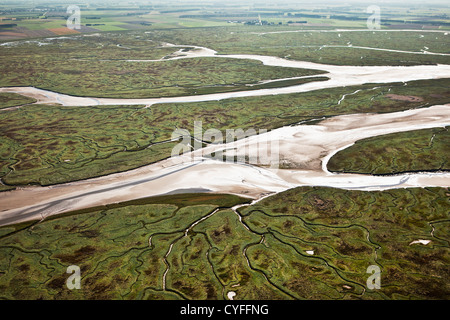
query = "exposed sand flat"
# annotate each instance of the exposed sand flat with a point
(420, 241)
(308, 146)
(231, 295)
(36, 202)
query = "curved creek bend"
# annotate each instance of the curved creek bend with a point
(339, 76)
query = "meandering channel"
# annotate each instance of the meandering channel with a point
(339, 76)
(305, 148)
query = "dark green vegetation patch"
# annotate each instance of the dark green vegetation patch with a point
(421, 150)
(8, 100)
(182, 247)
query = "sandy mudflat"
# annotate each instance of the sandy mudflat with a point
(404, 98)
(307, 146)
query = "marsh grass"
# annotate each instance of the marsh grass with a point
(62, 144)
(125, 249)
(421, 150)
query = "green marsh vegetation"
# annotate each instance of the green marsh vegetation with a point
(113, 79)
(305, 243)
(8, 100)
(97, 66)
(62, 144)
(338, 48)
(124, 250)
(421, 150)
(348, 231)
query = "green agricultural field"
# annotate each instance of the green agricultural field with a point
(40, 24)
(141, 250)
(422, 150)
(62, 144)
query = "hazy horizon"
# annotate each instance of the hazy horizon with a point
(265, 2)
